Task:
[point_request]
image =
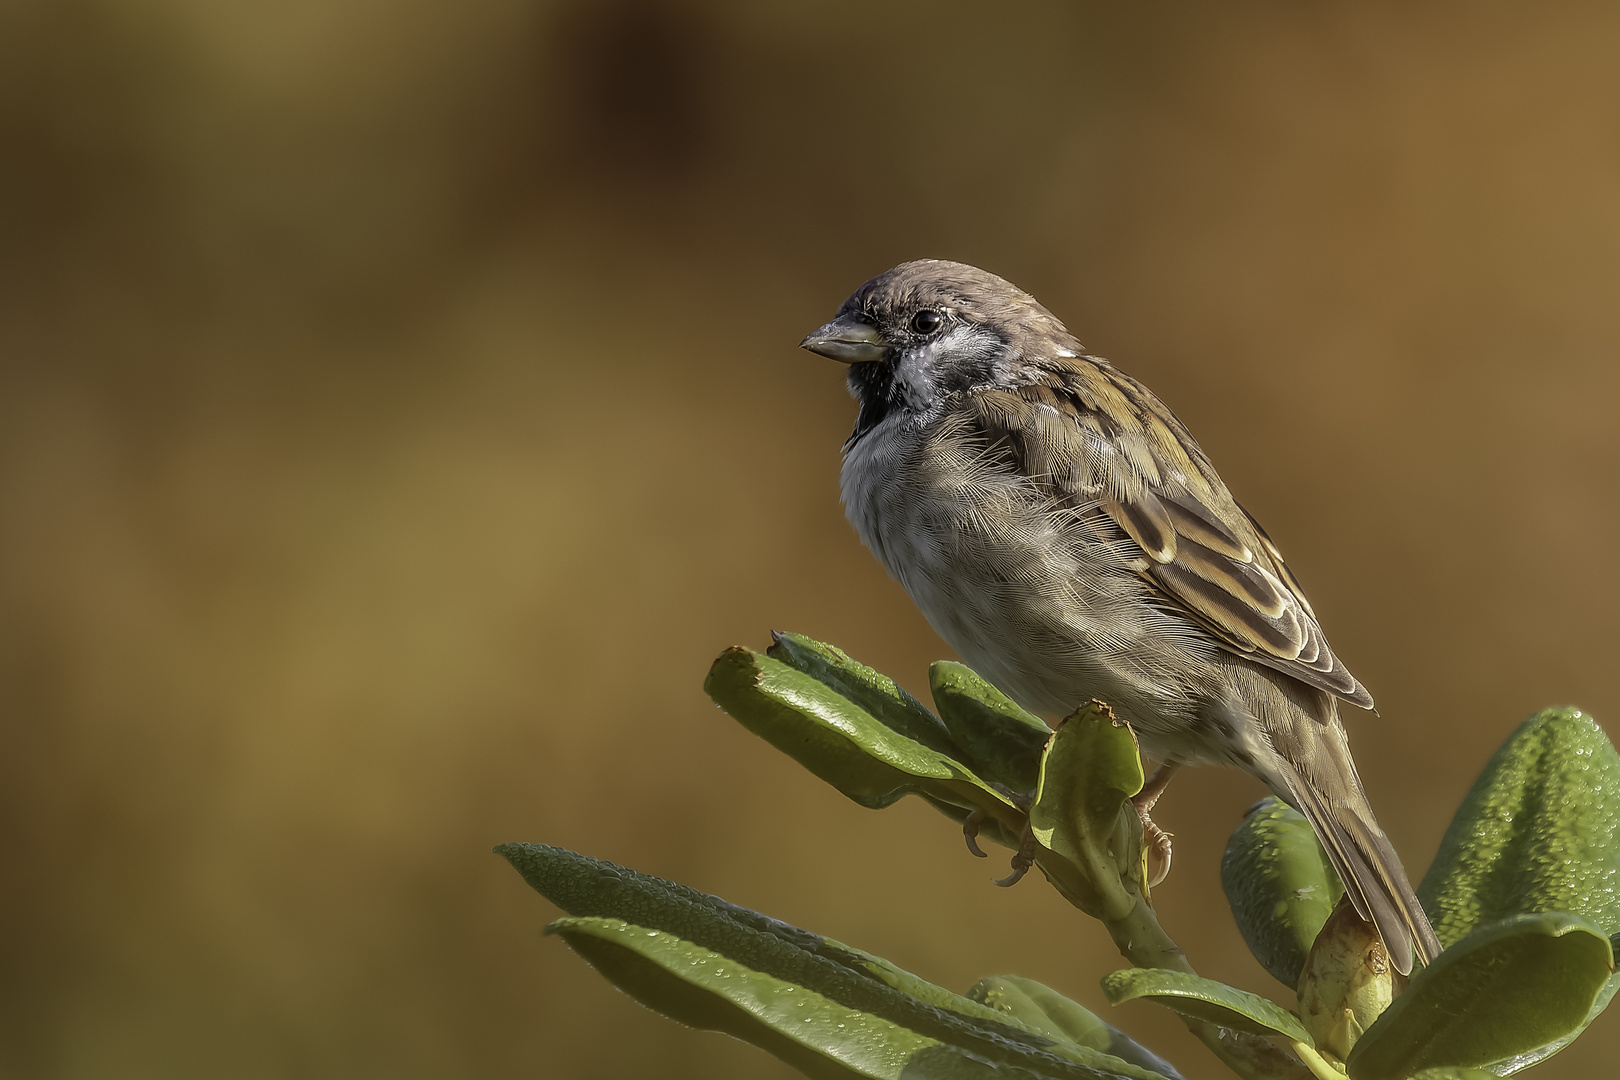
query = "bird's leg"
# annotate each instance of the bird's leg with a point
(1158, 840)
(1148, 797)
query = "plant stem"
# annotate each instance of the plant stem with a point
(1144, 943)
(1320, 1066)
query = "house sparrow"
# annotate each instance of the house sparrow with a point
(1063, 531)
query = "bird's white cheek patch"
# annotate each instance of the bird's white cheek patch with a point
(918, 371)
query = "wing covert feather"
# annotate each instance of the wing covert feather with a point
(1141, 467)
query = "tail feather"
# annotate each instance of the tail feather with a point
(1318, 776)
(1372, 874)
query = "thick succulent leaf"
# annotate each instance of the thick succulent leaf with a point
(999, 740)
(1506, 989)
(1042, 1009)
(703, 989)
(884, 699)
(1090, 840)
(1454, 1073)
(964, 1030)
(841, 742)
(982, 1001)
(1519, 1062)
(1280, 886)
(1206, 999)
(917, 987)
(1539, 831)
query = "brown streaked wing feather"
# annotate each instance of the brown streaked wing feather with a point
(1195, 522)
(1205, 554)
(1237, 623)
(1242, 580)
(1146, 521)
(1276, 557)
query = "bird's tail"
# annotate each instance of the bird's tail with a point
(1320, 780)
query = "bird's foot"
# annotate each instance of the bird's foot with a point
(1022, 860)
(1158, 841)
(1024, 857)
(1158, 849)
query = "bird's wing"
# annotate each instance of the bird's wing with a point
(1096, 438)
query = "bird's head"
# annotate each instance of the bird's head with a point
(916, 334)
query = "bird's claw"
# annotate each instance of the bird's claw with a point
(1158, 847)
(1022, 860)
(970, 832)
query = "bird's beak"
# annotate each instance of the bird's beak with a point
(847, 340)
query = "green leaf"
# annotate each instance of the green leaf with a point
(1454, 1073)
(1064, 1018)
(1280, 886)
(1044, 1010)
(1080, 816)
(960, 1034)
(1539, 831)
(1001, 741)
(1506, 989)
(584, 886)
(915, 986)
(704, 989)
(841, 742)
(1206, 999)
(882, 698)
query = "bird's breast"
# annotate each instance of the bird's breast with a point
(1038, 594)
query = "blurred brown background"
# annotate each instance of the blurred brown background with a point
(400, 409)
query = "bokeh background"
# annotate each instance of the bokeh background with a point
(400, 409)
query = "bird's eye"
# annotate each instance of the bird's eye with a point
(927, 321)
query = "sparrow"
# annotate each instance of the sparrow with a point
(1065, 534)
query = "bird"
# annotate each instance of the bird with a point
(1063, 531)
